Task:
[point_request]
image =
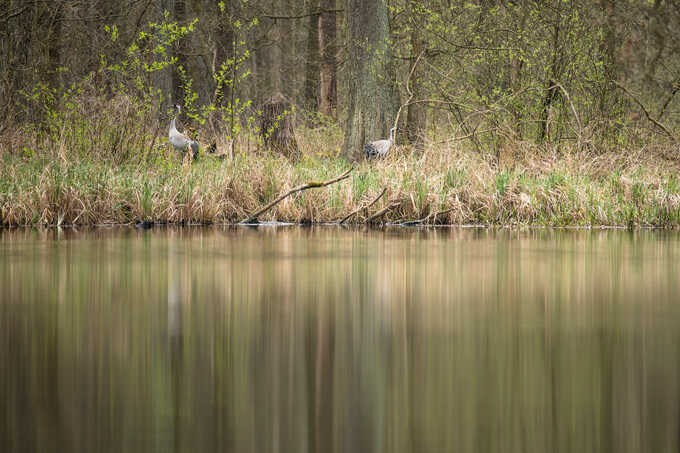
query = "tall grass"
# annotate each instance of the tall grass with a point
(95, 165)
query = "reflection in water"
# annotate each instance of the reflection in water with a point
(323, 340)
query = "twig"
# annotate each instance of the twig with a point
(302, 16)
(383, 211)
(644, 109)
(408, 89)
(437, 101)
(670, 98)
(578, 120)
(310, 185)
(464, 137)
(363, 207)
(14, 14)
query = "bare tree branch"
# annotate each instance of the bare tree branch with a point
(344, 219)
(408, 89)
(13, 14)
(426, 218)
(310, 185)
(578, 120)
(302, 16)
(644, 109)
(383, 211)
(676, 88)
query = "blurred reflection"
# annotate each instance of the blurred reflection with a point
(326, 340)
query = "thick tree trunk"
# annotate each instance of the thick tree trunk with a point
(276, 126)
(261, 62)
(371, 90)
(181, 54)
(327, 30)
(163, 80)
(515, 74)
(608, 45)
(275, 52)
(290, 73)
(224, 42)
(54, 30)
(551, 90)
(311, 88)
(416, 118)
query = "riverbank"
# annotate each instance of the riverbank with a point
(444, 185)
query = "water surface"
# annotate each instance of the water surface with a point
(331, 340)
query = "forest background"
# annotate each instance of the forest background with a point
(511, 112)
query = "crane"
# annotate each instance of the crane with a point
(181, 142)
(379, 148)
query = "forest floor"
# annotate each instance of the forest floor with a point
(445, 184)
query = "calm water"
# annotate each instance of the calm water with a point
(327, 340)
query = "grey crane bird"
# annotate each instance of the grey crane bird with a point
(379, 148)
(181, 142)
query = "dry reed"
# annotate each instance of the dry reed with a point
(446, 184)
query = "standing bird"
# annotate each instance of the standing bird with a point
(379, 148)
(181, 142)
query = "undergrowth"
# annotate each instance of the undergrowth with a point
(53, 182)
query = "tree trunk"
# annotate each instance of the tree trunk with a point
(275, 52)
(515, 73)
(608, 45)
(54, 31)
(163, 80)
(551, 90)
(224, 42)
(311, 91)
(371, 90)
(416, 118)
(261, 63)
(327, 30)
(181, 54)
(276, 127)
(290, 73)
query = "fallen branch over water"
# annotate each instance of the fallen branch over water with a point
(344, 219)
(383, 211)
(426, 218)
(310, 185)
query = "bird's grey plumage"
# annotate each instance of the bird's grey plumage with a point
(379, 148)
(179, 140)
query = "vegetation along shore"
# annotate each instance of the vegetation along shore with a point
(524, 113)
(443, 185)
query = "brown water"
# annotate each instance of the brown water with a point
(330, 340)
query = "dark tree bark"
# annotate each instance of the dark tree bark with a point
(327, 29)
(515, 72)
(311, 87)
(276, 53)
(290, 73)
(416, 118)
(182, 51)
(610, 66)
(371, 90)
(261, 64)
(551, 89)
(54, 42)
(278, 132)
(163, 80)
(224, 51)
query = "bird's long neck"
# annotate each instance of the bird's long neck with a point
(179, 111)
(391, 135)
